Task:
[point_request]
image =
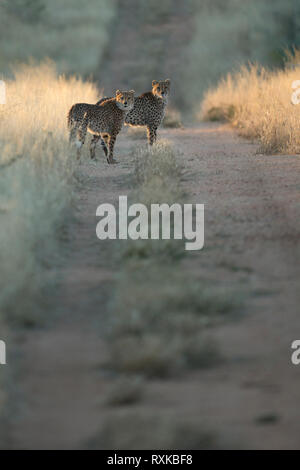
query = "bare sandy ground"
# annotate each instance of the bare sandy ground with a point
(252, 216)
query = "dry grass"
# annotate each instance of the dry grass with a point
(36, 189)
(159, 163)
(258, 102)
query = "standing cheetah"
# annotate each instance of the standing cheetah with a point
(75, 119)
(149, 110)
(104, 121)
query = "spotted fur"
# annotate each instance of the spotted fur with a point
(149, 108)
(103, 121)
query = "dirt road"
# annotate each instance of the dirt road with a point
(252, 217)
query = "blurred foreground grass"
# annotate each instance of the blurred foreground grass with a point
(36, 178)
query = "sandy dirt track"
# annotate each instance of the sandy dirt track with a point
(252, 216)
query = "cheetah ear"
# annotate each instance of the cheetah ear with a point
(168, 81)
(154, 82)
(118, 92)
(132, 91)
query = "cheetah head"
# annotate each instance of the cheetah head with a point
(125, 99)
(161, 89)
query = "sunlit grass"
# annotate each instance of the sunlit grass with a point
(36, 176)
(258, 102)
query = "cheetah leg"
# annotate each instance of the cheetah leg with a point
(73, 133)
(93, 146)
(111, 144)
(104, 143)
(151, 133)
(81, 137)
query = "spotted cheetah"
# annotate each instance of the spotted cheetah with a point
(75, 119)
(149, 110)
(104, 121)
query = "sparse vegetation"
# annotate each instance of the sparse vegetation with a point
(258, 102)
(161, 335)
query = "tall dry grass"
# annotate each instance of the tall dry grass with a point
(36, 177)
(258, 102)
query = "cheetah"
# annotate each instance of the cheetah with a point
(103, 120)
(149, 110)
(75, 119)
